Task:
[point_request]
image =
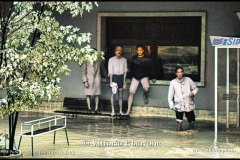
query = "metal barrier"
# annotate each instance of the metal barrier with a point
(52, 126)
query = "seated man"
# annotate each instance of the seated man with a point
(141, 69)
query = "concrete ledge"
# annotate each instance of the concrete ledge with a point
(148, 111)
(46, 107)
(143, 111)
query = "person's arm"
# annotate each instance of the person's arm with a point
(103, 69)
(132, 61)
(125, 74)
(150, 65)
(110, 70)
(195, 91)
(194, 88)
(171, 96)
(110, 78)
(84, 72)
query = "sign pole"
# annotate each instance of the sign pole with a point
(227, 90)
(215, 93)
(238, 87)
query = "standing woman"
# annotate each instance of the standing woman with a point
(180, 98)
(92, 81)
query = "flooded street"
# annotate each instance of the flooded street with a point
(137, 137)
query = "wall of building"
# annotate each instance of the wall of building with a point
(221, 20)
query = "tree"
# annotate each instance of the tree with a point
(34, 49)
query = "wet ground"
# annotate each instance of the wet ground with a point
(137, 137)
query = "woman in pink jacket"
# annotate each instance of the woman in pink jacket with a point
(92, 82)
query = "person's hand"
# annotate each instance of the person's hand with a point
(172, 107)
(191, 94)
(86, 84)
(107, 79)
(124, 85)
(154, 80)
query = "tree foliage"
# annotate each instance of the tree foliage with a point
(35, 48)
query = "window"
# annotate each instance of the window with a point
(170, 39)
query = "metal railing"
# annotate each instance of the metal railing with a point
(53, 126)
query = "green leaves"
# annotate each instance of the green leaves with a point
(75, 8)
(35, 51)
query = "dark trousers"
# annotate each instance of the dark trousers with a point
(118, 79)
(189, 115)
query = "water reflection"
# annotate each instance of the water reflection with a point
(137, 137)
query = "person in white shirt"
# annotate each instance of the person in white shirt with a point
(180, 98)
(117, 70)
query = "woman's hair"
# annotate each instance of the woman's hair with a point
(178, 67)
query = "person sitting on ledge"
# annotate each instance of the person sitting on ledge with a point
(141, 69)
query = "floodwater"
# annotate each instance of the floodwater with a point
(137, 137)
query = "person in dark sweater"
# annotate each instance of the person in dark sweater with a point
(141, 70)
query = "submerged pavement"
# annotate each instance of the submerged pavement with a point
(137, 137)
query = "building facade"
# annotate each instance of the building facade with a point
(221, 20)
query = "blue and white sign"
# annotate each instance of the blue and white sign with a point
(225, 41)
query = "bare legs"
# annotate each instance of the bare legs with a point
(96, 102)
(112, 104)
(88, 103)
(130, 99)
(120, 100)
(145, 94)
